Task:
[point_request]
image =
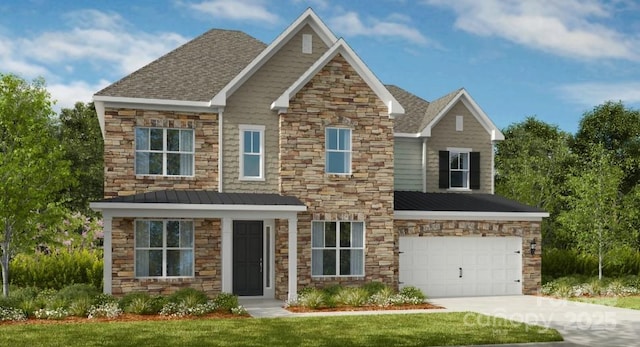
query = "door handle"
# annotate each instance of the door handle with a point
(261, 265)
(460, 275)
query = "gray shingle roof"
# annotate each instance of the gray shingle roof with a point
(206, 197)
(195, 71)
(418, 201)
(418, 113)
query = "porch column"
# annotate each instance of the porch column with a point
(293, 258)
(227, 255)
(106, 242)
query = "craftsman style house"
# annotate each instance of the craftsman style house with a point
(235, 166)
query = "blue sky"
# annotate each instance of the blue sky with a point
(548, 58)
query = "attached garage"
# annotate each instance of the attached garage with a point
(444, 266)
(461, 244)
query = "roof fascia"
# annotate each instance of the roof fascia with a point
(106, 206)
(410, 135)
(127, 100)
(308, 17)
(281, 104)
(464, 215)
(476, 111)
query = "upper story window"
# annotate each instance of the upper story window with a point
(459, 168)
(164, 248)
(165, 152)
(337, 248)
(338, 151)
(252, 152)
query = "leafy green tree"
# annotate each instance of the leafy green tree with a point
(532, 165)
(617, 129)
(32, 168)
(595, 214)
(81, 139)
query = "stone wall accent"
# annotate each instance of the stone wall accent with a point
(338, 97)
(531, 264)
(119, 151)
(473, 136)
(208, 267)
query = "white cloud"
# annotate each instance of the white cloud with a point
(594, 93)
(349, 24)
(570, 28)
(254, 10)
(66, 95)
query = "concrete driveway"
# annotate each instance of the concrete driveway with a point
(580, 324)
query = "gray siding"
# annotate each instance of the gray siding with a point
(407, 170)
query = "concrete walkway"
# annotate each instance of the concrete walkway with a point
(580, 324)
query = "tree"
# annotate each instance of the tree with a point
(596, 215)
(81, 139)
(616, 129)
(532, 166)
(32, 168)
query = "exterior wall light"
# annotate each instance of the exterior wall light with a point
(533, 246)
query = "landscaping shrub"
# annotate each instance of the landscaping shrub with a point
(77, 291)
(55, 313)
(413, 293)
(142, 303)
(192, 295)
(383, 297)
(106, 310)
(11, 314)
(355, 297)
(58, 269)
(313, 299)
(620, 262)
(374, 287)
(226, 301)
(80, 307)
(103, 298)
(128, 298)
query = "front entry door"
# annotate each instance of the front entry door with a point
(247, 258)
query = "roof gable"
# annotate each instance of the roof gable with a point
(340, 47)
(439, 108)
(308, 17)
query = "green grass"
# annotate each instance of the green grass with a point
(632, 302)
(376, 330)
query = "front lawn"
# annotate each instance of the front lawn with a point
(432, 329)
(632, 302)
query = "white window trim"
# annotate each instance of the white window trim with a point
(327, 150)
(337, 248)
(164, 152)
(460, 150)
(254, 128)
(164, 249)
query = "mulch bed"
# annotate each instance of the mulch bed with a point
(122, 318)
(425, 306)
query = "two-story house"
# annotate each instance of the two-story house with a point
(235, 166)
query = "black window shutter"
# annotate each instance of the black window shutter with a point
(444, 170)
(474, 170)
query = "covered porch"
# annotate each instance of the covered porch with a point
(248, 219)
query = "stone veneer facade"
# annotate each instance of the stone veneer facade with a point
(531, 264)
(207, 265)
(338, 97)
(119, 151)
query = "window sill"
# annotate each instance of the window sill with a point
(161, 177)
(459, 190)
(165, 278)
(252, 179)
(337, 276)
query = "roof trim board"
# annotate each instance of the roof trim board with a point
(464, 97)
(281, 104)
(308, 17)
(464, 215)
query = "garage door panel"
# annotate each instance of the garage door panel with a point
(490, 265)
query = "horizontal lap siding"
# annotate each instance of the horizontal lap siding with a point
(407, 170)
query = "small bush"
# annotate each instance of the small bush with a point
(355, 297)
(194, 296)
(107, 310)
(77, 291)
(102, 299)
(128, 298)
(374, 287)
(313, 299)
(239, 311)
(333, 290)
(55, 313)
(594, 288)
(226, 301)
(181, 309)
(11, 314)
(382, 298)
(29, 307)
(412, 292)
(80, 307)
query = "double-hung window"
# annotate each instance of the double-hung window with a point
(251, 152)
(459, 169)
(165, 152)
(164, 248)
(337, 248)
(338, 151)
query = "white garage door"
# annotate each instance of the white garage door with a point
(462, 266)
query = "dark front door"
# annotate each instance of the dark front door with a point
(247, 258)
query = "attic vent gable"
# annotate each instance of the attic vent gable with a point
(307, 43)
